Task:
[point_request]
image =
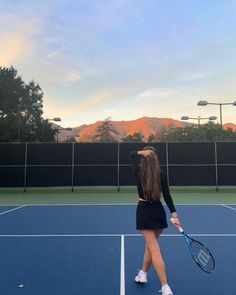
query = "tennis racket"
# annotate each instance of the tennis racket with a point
(199, 252)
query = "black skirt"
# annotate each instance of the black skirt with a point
(150, 215)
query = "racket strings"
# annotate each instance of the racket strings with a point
(203, 256)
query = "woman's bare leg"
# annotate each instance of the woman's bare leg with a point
(153, 252)
(147, 258)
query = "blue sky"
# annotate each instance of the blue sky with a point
(123, 59)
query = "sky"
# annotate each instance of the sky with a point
(124, 59)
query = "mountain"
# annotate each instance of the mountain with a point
(230, 125)
(146, 125)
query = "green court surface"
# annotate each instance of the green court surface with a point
(110, 195)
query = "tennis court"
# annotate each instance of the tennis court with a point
(94, 248)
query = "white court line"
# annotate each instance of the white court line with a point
(122, 266)
(8, 211)
(115, 204)
(108, 235)
(229, 207)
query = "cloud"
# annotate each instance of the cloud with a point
(154, 94)
(13, 47)
(16, 39)
(56, 52)
(196, 76)
(95, 103)
(73, 77)
(102, 97)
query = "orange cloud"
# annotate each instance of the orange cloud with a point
(13, 47)
(17, 40)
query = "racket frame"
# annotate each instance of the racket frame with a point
(188, 240)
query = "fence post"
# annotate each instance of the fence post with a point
(167, 163)
(72, 166)
(216, 168)
(25, 166)
(118, 166)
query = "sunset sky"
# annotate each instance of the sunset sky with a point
(123, 59)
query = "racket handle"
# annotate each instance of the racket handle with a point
(179, 228)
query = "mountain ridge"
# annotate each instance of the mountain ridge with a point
(145, 125)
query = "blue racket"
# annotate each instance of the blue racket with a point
(199, 252)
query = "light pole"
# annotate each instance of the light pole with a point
(199, 118)
(19, 127)
(220, 104)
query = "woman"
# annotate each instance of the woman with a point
(150, 214)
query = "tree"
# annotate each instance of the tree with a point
(47, 132)
(136, 137)
(20, 120)
(105, 132)
(214, 132)
(151, 138)
(207, 132)
(164, 134)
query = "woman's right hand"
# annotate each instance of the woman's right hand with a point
(176, 222)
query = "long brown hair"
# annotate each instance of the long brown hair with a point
(150, 175)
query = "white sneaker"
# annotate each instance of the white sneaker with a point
(141, 277)
(166, 290)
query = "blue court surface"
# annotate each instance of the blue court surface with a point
(95, 249)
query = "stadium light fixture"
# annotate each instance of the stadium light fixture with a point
(220, 104)
(202, 103)
(55, 119)
(199, 118)
(212, 118)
